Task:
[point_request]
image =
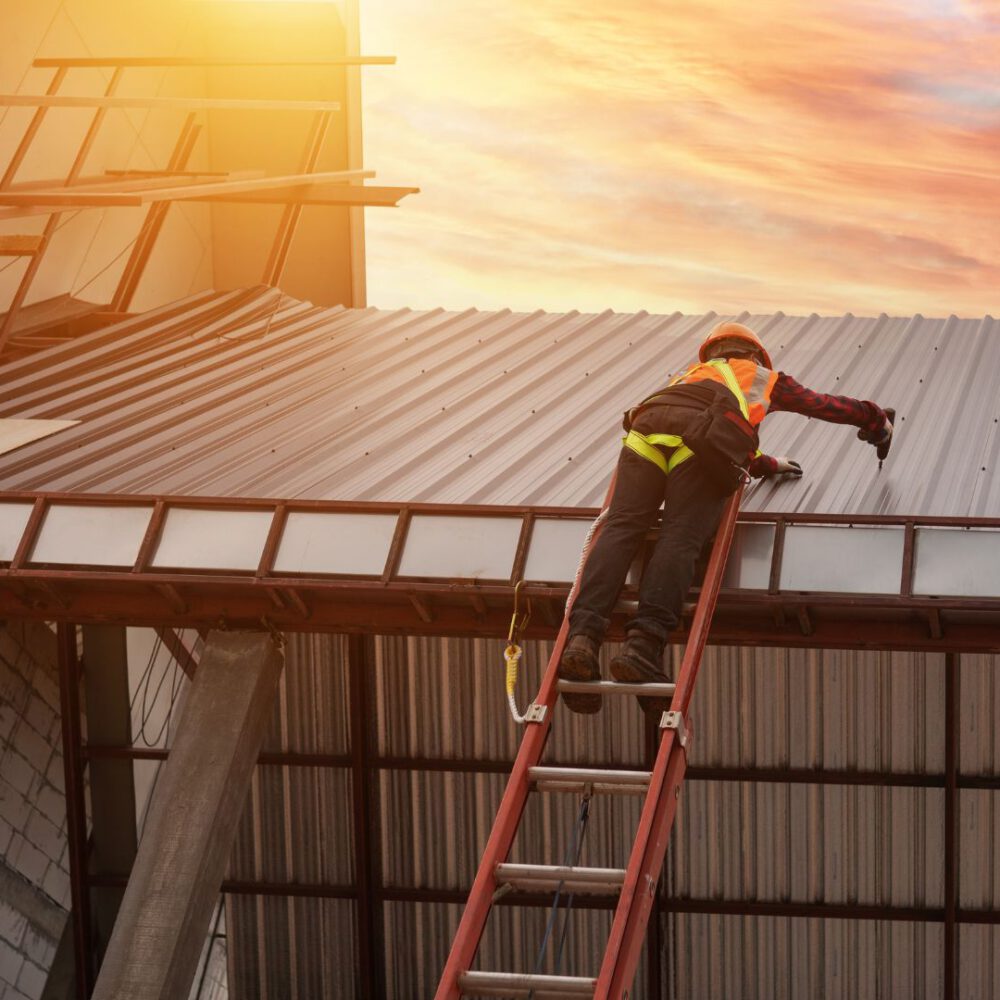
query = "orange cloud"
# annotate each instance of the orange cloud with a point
(688, 156)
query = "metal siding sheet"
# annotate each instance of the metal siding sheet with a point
(833, 709)
(287, 948)
(979, 966)
(722, 957)
(251, 393)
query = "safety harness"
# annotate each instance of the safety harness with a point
(646, 445)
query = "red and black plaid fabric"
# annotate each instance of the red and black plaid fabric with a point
(792, 397)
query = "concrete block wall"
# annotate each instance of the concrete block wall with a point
(34, 872)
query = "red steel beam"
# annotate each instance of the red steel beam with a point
(646, 860)
(178, 650)
(76, 808)
(952, 680)
(371, 936)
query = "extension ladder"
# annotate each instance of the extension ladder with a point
(637, 883)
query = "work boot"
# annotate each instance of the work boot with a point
(641, 662)
(579, 663)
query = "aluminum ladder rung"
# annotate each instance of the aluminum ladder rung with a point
(516, 984)
(615, 687)
(578, 779)
(540, 878)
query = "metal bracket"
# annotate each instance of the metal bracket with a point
(675, 720)
(535, 712)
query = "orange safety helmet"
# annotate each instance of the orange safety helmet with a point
(734, 331)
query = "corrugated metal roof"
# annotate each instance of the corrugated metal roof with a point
(251, 393)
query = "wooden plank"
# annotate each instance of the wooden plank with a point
(19, 246)
(322, 194)
(133, 197)
(163, 103)
(147, 61)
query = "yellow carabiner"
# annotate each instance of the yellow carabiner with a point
(516, 627)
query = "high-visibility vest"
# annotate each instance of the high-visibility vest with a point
(754, 383)
(749, 382)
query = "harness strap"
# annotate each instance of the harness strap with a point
(645, 445)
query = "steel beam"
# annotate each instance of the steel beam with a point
(35, 262)
(128, 283)
(282, 244)
(76, 808)
(952, 690)
(112, 786)
(367, 842)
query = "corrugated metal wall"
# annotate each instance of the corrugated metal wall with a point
(734, 840)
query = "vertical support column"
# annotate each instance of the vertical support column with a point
(952, 691)
(367, 869)
(165, 914)
(112, 785)
(355, 155)
(76, 806)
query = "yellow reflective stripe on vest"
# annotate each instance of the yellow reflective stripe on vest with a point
(645, 446)
(734, 386)
(728, 377)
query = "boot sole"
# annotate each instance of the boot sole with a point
(578, 668)
(626, 670)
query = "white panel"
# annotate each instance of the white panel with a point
(319, 542)
(16, 432)
(842, 559)
(212, 539)
(13, 521)
(749, 564)
(959, 562)
(467, 547)
(91, 536)
(554, 551)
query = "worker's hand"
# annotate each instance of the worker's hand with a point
(881, 439)
(787, 466)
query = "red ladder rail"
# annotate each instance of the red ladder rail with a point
(515, 796)
(628, 930)
(648, 851)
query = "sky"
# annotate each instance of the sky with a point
(686, 155)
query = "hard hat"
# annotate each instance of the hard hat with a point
(734, 331)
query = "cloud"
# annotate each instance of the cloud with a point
(707, 154)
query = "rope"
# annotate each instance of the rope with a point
(512, 654)
(599, 520)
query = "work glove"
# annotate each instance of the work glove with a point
(881, 439)
(787, 466)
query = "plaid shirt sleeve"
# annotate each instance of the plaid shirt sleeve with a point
(792, 397)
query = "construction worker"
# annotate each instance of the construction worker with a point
(687, 448)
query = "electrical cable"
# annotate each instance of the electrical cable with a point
(572, 859)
